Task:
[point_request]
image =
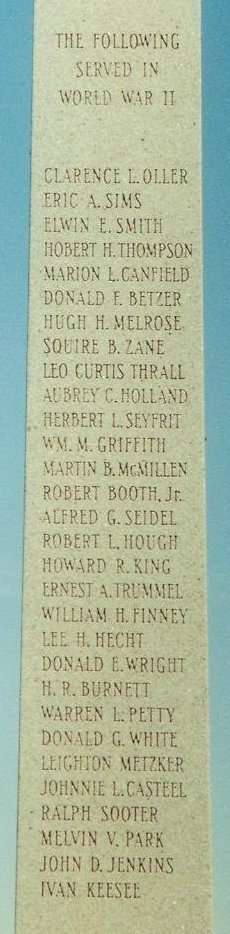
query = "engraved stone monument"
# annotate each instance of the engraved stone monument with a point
(113, 828)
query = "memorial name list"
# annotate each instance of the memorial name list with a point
(113, 789)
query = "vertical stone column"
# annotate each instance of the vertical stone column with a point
(113, 786)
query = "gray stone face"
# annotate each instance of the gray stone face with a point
(113, 786)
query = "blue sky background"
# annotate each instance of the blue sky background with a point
(15, 85)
